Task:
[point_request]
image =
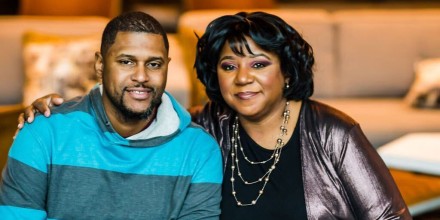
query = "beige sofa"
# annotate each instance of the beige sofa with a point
(364, 62)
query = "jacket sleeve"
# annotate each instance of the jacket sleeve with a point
(367, 181)
(24, 180)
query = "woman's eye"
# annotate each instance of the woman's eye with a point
(227, 67)
(259, 65)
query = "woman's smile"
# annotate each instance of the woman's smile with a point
(246, 95)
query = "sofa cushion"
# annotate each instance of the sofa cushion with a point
(377, 49)
(385, 119)
(12, 74)
(58, 64)
(425, 90)
(178, 78)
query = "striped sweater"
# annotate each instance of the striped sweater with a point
(73, 165)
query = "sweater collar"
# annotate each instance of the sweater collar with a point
(169, 119)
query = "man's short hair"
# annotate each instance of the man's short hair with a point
(131, 22)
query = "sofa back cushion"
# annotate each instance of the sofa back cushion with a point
(13, 28)
(58, 64)
(376, 49)
(425, 90)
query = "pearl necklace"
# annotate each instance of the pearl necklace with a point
(275, 157)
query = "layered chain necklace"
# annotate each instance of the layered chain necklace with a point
(275, 157)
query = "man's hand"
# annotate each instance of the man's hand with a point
(42, 105)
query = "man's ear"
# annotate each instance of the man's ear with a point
(99, 65)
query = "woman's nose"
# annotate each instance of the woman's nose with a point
(243, 76)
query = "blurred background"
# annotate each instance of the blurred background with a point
(168, 11)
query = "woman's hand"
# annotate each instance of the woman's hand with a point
(42, 105)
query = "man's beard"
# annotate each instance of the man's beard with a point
(128, 114)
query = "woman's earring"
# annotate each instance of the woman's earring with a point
(287, 86)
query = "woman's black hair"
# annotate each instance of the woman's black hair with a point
(271, 34)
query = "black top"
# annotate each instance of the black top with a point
(283, 197)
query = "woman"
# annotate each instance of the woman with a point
(285, 155)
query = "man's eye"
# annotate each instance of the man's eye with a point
(126, 62)
(154, 65)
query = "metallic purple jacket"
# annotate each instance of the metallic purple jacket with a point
(343, 176)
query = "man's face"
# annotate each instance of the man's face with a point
(134, 74)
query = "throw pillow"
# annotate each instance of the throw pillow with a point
(425, 90)
(58, 64)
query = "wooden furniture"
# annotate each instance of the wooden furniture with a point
(106, 8)
(414, 163)
(227, 4)
(421, 193)
(8, 126)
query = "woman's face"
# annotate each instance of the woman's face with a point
(251, 84)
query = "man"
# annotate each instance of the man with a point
(127, 150)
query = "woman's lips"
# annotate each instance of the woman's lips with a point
(246, 95)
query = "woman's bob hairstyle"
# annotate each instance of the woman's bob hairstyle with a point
(271, 34)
